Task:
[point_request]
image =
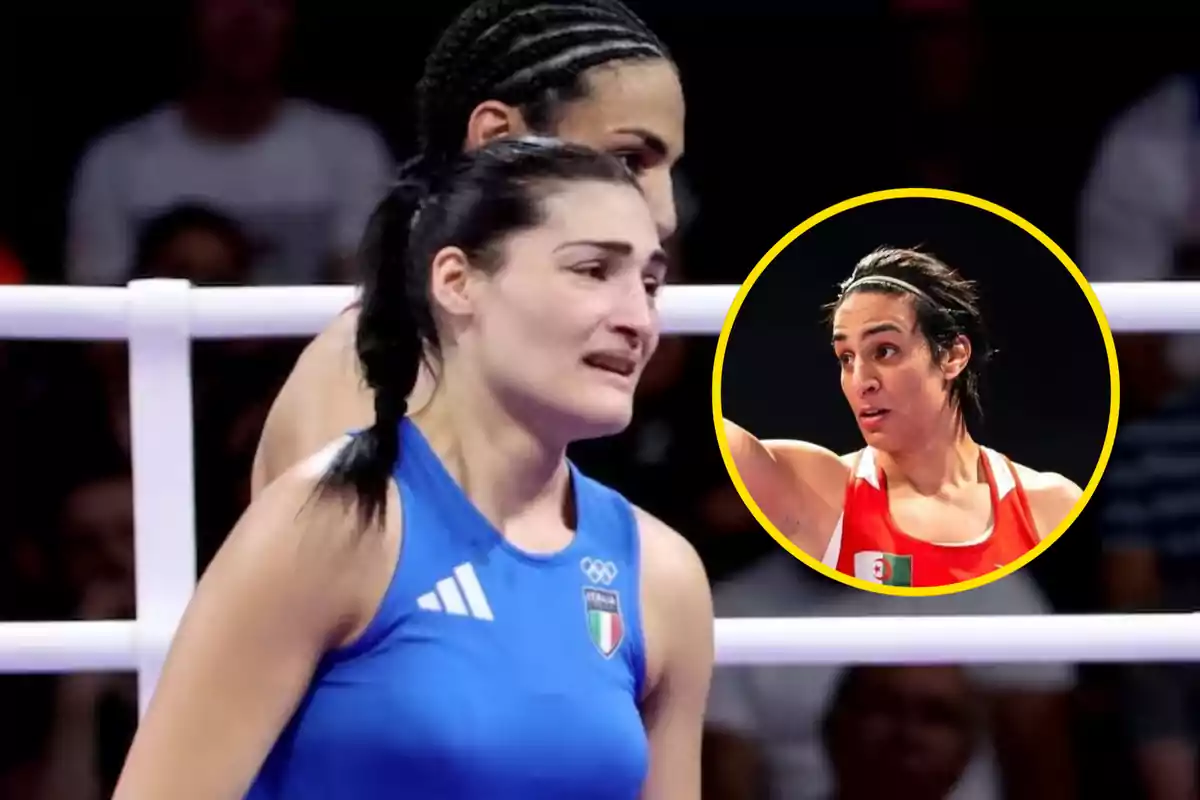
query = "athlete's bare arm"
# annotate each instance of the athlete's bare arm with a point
(678, 623)
(292, 581)
(798, 485)
(321, 400)
(1051, 497)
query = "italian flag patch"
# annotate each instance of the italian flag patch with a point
(604, 623)
(885, 569)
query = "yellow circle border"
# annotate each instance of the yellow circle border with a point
(909, 194)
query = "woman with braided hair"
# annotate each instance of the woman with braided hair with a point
(922, 504)
(585, 71)
(441, 605)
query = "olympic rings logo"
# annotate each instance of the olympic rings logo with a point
(599, 571)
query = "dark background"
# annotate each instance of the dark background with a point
(1046, 398)
(792, 107)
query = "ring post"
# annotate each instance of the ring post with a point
(161, 433)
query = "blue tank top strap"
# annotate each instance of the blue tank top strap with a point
(608, 524)
(437, 520)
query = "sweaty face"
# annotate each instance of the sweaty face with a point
(564, 328)
(888, 374)
(635, 111)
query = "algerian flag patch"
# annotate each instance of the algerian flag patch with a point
(886, 569)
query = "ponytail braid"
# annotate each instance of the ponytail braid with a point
(469, 202)
(388, 342)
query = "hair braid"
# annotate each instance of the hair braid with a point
(527, 53)
(470, 203)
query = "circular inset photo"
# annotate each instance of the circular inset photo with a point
(915, 392)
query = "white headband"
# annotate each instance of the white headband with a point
(887, 279)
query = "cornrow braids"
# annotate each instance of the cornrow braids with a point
(528, 53)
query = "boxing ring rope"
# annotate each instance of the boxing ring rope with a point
(60, 312)
(161, 317)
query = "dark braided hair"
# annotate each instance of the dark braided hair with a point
(948, 307)
(530, 54)
(471, 203)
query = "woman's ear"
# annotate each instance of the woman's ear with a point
(492, 120)
(956, 358)
(449, 284)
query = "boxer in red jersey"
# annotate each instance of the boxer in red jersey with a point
(922, 504)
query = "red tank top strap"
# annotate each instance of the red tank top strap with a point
(868, 545)
(1009, 497)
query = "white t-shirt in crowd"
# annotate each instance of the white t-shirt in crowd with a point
(1142, 194)
(782, 707)
(1141, 201)
(303, 190)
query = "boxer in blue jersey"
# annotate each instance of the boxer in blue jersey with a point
(585, 71)
(442, 606)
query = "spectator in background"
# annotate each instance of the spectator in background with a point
(1150, 533)
(301, 179)
(196, 243)
(191, 242)
(1140, 221)
(96, 714)
(234, 381)
(765, 721)
(904, 733)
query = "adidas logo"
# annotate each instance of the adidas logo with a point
(461, 595)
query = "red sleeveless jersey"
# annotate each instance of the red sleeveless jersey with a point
(867, 544)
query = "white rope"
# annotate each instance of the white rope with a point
(1059, 638)
(59, 312)
(161, 317)
(70, 646)
(1015, 639)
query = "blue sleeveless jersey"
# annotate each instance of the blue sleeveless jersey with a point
(488, 673)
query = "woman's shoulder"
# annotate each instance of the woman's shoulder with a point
(677, 605)
(308, 504)
(298, 537)
(1051, 487)
(1051, 496)
(670, 563)
(321, 397)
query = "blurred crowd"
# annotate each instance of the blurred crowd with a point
(235, 181)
